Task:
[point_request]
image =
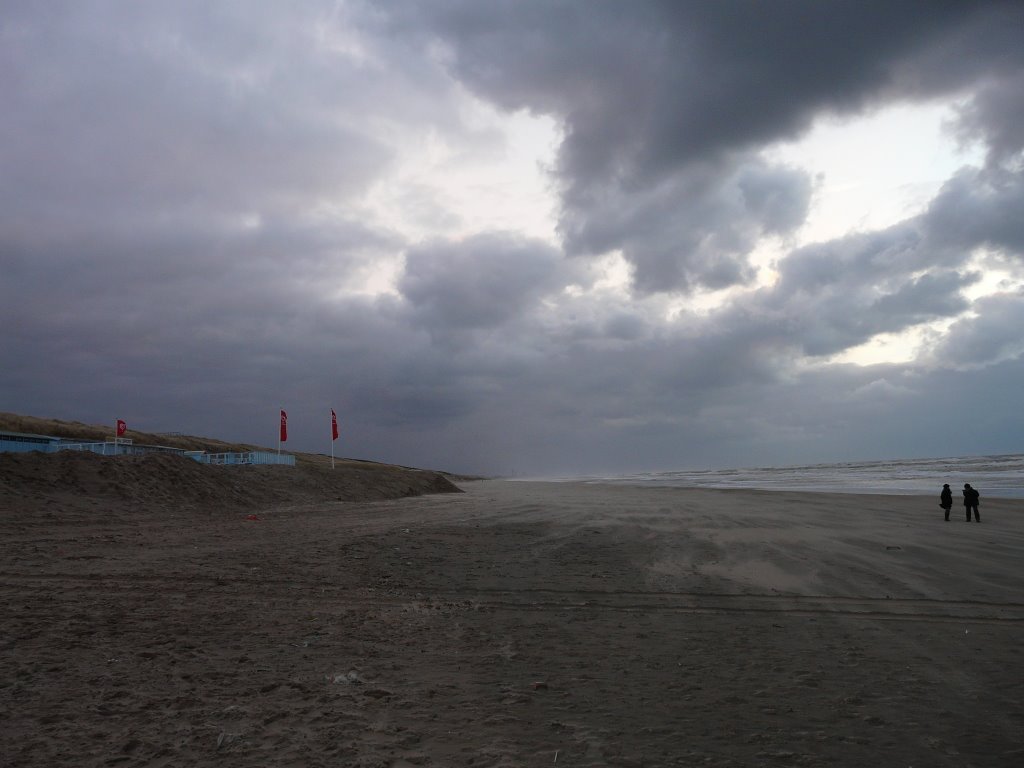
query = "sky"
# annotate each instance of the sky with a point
(530, 237)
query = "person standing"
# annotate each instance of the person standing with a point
(946, 499)
(971, 498)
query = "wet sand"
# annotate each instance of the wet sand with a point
(517, 624)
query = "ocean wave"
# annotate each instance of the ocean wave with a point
(1000, 475)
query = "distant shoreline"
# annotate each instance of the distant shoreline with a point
(996, 476)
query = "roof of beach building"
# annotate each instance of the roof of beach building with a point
(7, 434)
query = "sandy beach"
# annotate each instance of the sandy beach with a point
(514, 624)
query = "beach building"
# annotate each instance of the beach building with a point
(22, 442)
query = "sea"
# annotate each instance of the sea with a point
(1001, 476)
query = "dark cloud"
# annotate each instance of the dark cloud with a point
(694, 229)
(645, 89)
(118, 118)
(979, 207)
(481, 282)
(992, 335)
(651, 95)
(185, 238)
(995, 116)
(155, 130)
(832, 296)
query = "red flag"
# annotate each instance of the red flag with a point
(122, 427)
(284, 427)
(334, 425)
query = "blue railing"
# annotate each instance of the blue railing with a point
(244, 457)
(124, 447)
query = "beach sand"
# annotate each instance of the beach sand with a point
(516, 624)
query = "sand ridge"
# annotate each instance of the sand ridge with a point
(172, 483)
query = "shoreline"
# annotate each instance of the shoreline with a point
(998, 476)
(1012, 494)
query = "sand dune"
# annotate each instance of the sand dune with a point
(513, 624)
(171, 483)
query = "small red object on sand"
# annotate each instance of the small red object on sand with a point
(539, 684)
(252, 517)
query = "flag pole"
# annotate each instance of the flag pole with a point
(334, 434)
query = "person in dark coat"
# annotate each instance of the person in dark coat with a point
(946, 499)
(971, 497)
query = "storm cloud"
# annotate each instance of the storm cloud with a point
(212, 210)
(663, 101)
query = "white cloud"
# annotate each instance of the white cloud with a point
(873, 171)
